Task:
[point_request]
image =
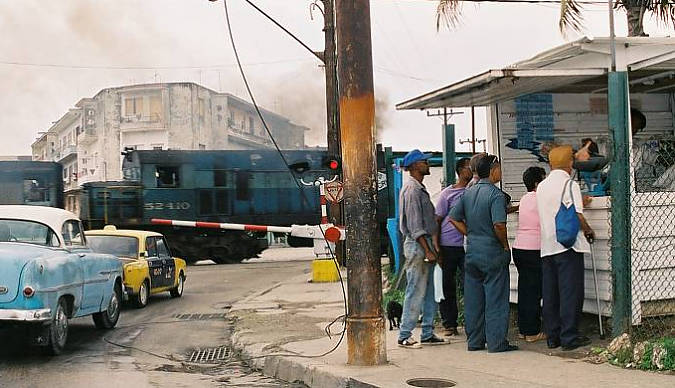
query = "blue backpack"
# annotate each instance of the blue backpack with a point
(566, 220)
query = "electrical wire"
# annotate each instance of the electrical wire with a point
(284, 29)
(124, 67)
(283, 158)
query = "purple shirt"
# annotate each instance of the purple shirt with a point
(450, 236)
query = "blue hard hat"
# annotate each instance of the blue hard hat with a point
(414, 156)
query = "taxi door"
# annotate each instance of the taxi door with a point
(155, 266)
(168, 263)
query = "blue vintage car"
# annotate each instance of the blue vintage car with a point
(48, 275)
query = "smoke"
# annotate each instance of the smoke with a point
(300, 95)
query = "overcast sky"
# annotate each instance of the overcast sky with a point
(72, 49)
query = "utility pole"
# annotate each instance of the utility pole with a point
(365, 319)
(619, 175)
(332, 114)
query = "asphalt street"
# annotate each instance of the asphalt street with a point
(149, 346)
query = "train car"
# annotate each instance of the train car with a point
(252, 186)
(31, 183)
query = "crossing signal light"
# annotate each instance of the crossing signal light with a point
(332, 164)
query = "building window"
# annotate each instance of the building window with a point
(202, 146)
(155, 108)
(251, 125)
(133, 106)
(231, 117)
(157, 148)
(202, 110)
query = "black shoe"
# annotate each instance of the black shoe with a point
(508, 348)
(552, 344)
(433, 340)
(577, 343)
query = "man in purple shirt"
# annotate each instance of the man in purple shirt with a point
(450, 243)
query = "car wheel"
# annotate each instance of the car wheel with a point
(107, 319)
(178, 291)
(143, 295)
(58, 329)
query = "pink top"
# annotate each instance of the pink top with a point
(528, 235)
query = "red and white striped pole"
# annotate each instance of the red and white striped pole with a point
(316, 232)
(322, 200)
(216, 225)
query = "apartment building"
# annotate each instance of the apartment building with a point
(89, 139)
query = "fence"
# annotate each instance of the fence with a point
(652, 225)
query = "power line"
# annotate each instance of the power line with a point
(127, 67)
(283, 29)
(283, 158)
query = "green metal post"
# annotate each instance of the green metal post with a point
(617, 99)
(449, 155)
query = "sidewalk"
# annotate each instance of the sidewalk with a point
(290, 317)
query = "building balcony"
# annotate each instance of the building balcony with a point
(66, 153)
(248, 139)
(87, 137)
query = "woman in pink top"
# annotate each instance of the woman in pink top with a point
(526, 256)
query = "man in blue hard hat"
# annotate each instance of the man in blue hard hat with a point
(418, 224)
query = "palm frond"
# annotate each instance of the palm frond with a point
(570, 16)
(664, 10)
(448, 13)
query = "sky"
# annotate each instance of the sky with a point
(54, 53)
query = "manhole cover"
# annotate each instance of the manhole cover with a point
(431, 383)
(200, 317)
(209, 355)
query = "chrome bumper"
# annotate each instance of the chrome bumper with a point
(26, 315)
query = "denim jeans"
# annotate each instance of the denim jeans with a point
(419, 292)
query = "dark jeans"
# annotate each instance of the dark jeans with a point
(453, 259)
(563, 284)
(528, 263)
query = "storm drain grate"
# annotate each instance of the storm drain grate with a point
(200, 317)
(209, 355)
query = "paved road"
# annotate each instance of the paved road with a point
(146, 347)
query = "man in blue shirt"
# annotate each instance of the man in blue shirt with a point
(418, 226)
(481, 215)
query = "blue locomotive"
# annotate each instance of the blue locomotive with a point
(249, 187)
(31, 183)
(252, 187)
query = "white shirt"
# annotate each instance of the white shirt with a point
(549, 192)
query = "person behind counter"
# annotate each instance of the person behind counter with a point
(527, 258)
(562, 267)
(481, 215)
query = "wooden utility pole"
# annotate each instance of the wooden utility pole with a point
(332, 114)
(365, 319)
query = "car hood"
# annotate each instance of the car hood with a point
(13, 258)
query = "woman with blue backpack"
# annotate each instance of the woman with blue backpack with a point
(565, 237)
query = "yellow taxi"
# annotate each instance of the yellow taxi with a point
(148, 265)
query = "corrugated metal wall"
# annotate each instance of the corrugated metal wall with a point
(575, 116)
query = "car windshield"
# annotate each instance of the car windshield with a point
(120, 246)
(25, 231)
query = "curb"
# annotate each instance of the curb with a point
(286, 369)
